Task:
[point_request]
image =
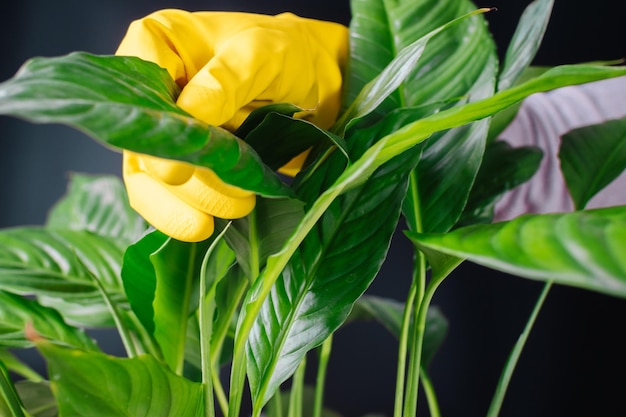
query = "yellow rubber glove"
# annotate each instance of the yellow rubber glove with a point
(227, 64)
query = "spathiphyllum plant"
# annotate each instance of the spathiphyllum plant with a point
(212, 325)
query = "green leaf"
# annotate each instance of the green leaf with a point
(129, 103)
(280, 138)
(139, 277)
(389, 312)
(54, 262)
(98, 204)
(582, 249)
(37, 398)
(503, 168)
(396, 65)
(177, 268)
(458, 62)
(16, 312)
(525, 42)
(591, 157)
(94, 384)
(55, 265)
(328, 273)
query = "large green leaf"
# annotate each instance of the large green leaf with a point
(98, 204)
(56, 265)
(16, 312)
(160, 278)
(591, 157)
(57, 262)
(94, 384)
(583, 249)
(458, 62)
(139, 277)
(379, 30)
(332, 268)
(129, 103)
(177, 270)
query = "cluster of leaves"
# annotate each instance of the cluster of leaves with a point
(414, 140)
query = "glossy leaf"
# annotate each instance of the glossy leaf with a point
(525, 42)
(582, 249)
(139, 277)
(393, 75)
(458, 62)
(97, 204)
(37, 398)
(177, 269)
(503, 168)
(16, 312)
(129, 103)
(94, 384)
(279, 138)
(57, 262)
(591, 158)
(328, 273)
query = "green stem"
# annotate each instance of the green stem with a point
(297, 388)
(429, 390)
(246, 321)
(205, 320)
(206, 312)
(129, 342)
(507, 372)
(416, 340)
(318, 403)
(219, 392)
(413, 302)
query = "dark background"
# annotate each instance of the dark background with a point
(574, 363)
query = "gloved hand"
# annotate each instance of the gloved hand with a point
(227, 64)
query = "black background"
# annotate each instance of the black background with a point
(574, 363)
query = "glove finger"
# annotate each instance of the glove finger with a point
(161, 208)
(166, 170)
(202, 195)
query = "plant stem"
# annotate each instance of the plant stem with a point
(429, 390)
(206, 312)
(413, 302)
(402, 350)
(507, 372)
(318, 402)
(416, 340)
(219, 392)
(297, 387)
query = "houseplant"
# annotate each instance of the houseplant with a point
(133, 280)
